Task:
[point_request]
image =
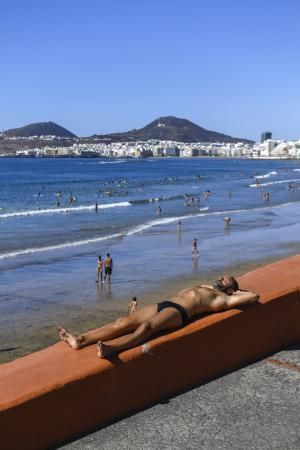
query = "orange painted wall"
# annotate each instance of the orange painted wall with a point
(55, 394)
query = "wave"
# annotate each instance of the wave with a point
(163, 221)
(155, 199)
(161, 198)
(112, 162)
(135, 230)
(28, 251)
(267, 175)
(274, 182)
(102, 162)
(38, 212)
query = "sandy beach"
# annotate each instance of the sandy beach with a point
(32, 333)
(44, 286)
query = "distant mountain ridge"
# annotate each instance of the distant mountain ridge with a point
(173, 129)
(40, 129)
(162, 129)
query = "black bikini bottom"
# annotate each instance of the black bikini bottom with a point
(182, 311)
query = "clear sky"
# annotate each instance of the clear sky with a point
(96, 66)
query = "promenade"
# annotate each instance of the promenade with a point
(67, 395)
(256, 407)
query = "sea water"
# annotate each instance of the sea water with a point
(51, 233)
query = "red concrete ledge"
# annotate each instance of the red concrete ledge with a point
(55, 394)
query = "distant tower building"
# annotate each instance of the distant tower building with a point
(265, 135)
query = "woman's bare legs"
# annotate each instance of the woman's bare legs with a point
(167, 319)
(121, 326)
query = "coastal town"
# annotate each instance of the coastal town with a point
(53, 146)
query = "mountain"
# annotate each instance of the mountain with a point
(40, 129)
(172, 129)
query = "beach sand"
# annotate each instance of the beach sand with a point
(153, 266)
(34, 335)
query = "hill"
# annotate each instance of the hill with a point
(173, 129)
(40, 129)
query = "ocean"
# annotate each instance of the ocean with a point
(51, 233)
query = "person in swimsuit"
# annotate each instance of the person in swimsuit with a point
(132, 305)
(134, 329)
(108, 265)
(195, 248)
(99, 270)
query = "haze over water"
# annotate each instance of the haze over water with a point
(49, 245)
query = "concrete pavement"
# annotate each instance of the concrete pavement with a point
(256, 407)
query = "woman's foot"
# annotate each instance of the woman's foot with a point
(70, 339)
(104, 350)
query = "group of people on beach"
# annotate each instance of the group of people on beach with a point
(139, 325)
(107, 265)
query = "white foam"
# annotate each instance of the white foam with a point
(102, 162)
(28, 251)
(135, 230)
(273, 182)
(38, 212)
(163, 221)
(167, 220)
(112, 162)
(267, 175)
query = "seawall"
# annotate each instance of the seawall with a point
(55, 394)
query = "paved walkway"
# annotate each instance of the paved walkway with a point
(257, 407)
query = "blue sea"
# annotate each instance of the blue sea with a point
(58, 215)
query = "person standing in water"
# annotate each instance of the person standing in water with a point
(195, 248)
(108, 265)
(99, 269)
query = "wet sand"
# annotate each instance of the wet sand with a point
(79, 319)
(153, 266)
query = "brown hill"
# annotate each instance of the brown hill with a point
(40, 129)
(172, 129)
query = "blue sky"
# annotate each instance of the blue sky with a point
(98, 66)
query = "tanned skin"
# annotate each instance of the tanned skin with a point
(134, 329)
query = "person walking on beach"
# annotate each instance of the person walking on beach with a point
(134, 329)
(132, 305)
(99, 269)
(195, 248)
(108, 265)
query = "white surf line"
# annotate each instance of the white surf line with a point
(136, 230)
(274, 182)
(163, 221)
(37, 212)
(267, 175)
(156, 222)
(57, 246)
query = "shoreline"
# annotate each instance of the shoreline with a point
(41, 339)
(152, 261)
